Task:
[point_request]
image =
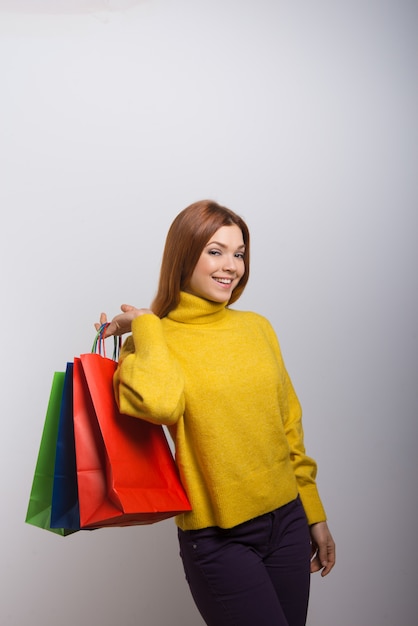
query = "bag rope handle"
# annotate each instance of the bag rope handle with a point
(99, 343)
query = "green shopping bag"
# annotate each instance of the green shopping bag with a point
(40, 501)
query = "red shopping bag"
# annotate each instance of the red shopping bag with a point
(125, 470)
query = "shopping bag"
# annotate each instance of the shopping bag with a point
(65, 511)
(40, 500)
(126, 473)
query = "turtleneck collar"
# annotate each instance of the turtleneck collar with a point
(195, 310)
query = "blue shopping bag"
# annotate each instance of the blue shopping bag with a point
(65, 511)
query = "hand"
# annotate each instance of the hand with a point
(121, 323)
(323, 549)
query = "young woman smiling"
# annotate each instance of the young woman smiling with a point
(215, 377)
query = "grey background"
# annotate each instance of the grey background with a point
(300, 116)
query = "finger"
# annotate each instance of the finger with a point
(111, 329)
(330, 561)
(323, 555)
(315, 564)
(326, 570)
(103, 320)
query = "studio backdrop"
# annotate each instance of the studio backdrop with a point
(301, 117)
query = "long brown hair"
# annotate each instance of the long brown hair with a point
(188, 234)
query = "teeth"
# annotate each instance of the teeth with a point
(225, 281)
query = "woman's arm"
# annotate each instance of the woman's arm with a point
(148, 382)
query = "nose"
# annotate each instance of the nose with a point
(230, 263)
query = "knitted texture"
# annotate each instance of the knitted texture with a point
(215, 376)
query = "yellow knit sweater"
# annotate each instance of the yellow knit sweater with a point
(215, 376)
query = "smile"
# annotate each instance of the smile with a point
(223, 281)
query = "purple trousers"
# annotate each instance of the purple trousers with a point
(255, 574)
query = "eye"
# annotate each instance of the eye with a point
(214, 252)
(239, 255)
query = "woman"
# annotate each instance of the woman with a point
(216, 378)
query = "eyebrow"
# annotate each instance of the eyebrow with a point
(222, 245)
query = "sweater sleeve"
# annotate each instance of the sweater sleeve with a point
(148, 382)
(304, 467)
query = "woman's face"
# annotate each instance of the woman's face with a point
(220, 266)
